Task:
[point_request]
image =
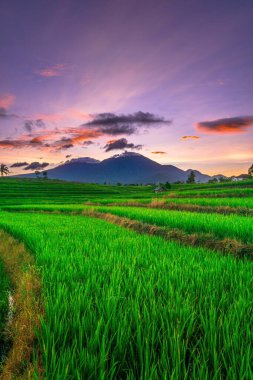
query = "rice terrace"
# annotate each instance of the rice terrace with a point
(125, 286)
(126, 190)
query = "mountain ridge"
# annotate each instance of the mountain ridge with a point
(126, 168)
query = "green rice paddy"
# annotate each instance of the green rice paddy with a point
(4, 288)
(216, 202)
(123, 305)
(233, 226)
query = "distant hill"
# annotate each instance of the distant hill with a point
(126, 168)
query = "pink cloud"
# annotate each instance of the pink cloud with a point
(52, 71)
(70, 113)
(230, 125)
(76, 114)
(6, 100)
(50, 117)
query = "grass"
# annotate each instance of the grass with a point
(133, 306)
(233, 226)
(116, 304)
(24, 316)
(72, 208)
(4, 288)
(25, 191)
(15, 191)
(216, 202)
(213, 193)
(207, 240)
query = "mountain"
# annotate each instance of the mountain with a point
(126, 168)
(199, 177)
(86, 160)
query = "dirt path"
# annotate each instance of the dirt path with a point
(25, 311)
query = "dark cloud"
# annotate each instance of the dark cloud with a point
(66, 146)
(30, 124)
(115, 130)
(62, 144)
(120, 144)
(140, 117)
(87, 143)
(6, 115)
(36, 166)
(113, 124)
(68, 156)
(228, 125)
(15, 144)
(3, 112)
(19, 164)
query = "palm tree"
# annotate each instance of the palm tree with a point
(4, 169)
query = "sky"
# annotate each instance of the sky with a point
(169, 79)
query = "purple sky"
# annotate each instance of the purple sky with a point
(186, 65)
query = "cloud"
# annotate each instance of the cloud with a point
(30, 124)
(68, 155)
(76, 136)
(115, 130)
(52, 71)
(159, 152)
(88, 142)
(15, 144)
(120, 144)
(137, 117)
(6, 100)
(65, 146)
(19, 164)
(5, 114)
(59, 139)
(113, 124)
(70, 113)
(36, 165)
(229, 125)
(190, 137)
(51, 140)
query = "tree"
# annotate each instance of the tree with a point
(250, 171)
(191, 177)
(37, 173)
(225, 179)
(213, 180)
(167, 185)
(4, 169)
(44, 173)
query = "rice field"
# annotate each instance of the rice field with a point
(216, 202)
(233, 226)
(117, 304)
(214, 192)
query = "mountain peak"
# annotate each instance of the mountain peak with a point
(127, 154)
(83, 160)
